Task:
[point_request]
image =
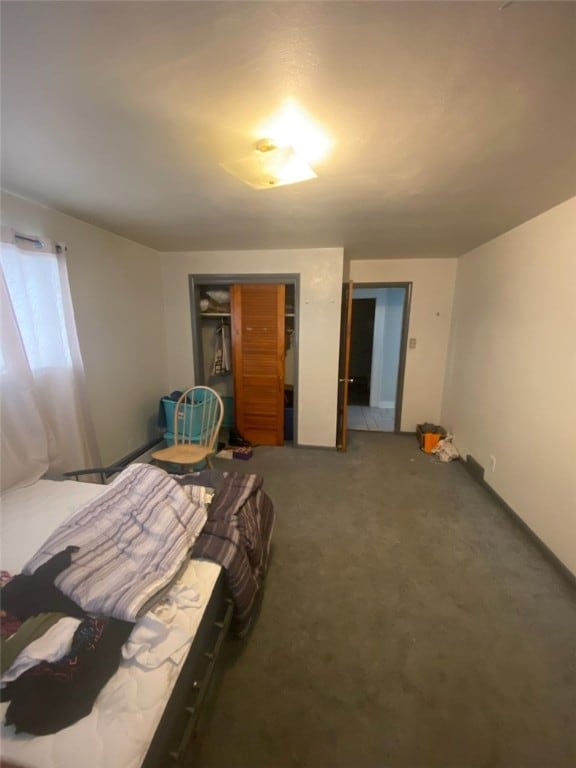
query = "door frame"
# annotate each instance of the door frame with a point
(403, 344)
(197, 280)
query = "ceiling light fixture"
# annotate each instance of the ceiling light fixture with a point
(270, 166)
(292, 126)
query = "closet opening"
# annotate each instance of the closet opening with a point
(245, 346)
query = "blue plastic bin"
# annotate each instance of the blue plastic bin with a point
(169, 406)
(228, 418)
(191, 411)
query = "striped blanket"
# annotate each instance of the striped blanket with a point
(237, 536)
(133, 540)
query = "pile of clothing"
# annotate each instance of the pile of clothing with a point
(55, 658)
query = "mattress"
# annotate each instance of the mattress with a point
(120, 727)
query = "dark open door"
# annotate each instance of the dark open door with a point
(361, 342)
(344, 367)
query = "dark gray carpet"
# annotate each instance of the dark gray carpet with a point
(407, 622)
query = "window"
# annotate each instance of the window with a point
(33, 283)
(45, 424)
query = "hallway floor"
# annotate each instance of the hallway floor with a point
(365, 419)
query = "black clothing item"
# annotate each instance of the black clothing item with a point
(237, 440)
(27, 595)
(57, 563)
(52, 696)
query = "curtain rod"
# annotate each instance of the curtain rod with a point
(37, 242)
(40, 244)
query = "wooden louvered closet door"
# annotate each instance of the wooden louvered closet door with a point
(258, 341)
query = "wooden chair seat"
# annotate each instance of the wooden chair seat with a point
(183, 453)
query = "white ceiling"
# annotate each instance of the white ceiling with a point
(452, 122)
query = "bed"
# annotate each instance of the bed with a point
(146, 714)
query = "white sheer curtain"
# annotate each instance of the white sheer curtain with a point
(45, 424)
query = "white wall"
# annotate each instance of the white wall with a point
(118, 305)
(320, 271)
(430, 315)
(511, 383)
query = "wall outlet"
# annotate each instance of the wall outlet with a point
(493, 463)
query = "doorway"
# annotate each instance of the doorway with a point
(361, 336)
(377, 356)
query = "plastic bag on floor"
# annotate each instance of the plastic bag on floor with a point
(445, 450)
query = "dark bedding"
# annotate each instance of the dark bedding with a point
(237, 537)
